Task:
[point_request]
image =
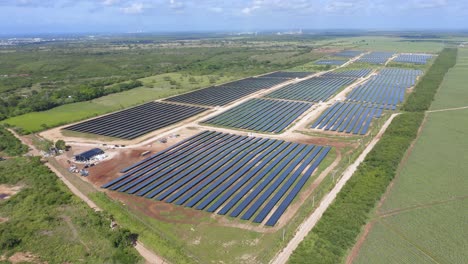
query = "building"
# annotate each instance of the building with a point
(88, 155)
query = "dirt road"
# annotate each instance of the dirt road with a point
(149, 256)
(309, 223)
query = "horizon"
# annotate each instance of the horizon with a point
(158, 16)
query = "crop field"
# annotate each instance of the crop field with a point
(413, 58)
(212, 170)
(348, 117)
(137, 121)
(228, 92)
(330, 62)
(376, 57)
(312, 90)
(263, 115)
(287, 74)
(387, 89)
(349, 53)
(423, 216)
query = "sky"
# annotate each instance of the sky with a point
(125, 16)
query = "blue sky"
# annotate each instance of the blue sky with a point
(62, 16)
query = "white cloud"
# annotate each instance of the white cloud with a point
(278, 5)
(176, 5)
(110, 2)
(249, 10)
(135, 8)
(342, 6)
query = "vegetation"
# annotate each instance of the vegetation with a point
(40, 78)
(422, 218)
(9, 144)
(46, 220)
(425, 90)
(339, 226)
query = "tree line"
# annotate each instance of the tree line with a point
(340, 225)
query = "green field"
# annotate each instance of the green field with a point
(37, 121)
(423, 219)
(398, 44)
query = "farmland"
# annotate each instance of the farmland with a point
(422, 218)
(228, 173)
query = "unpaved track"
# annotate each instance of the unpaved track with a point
(149, 256)
(310, 222)
(447, 109)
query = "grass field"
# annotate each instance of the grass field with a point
(36, 121)
(398, 44)
(423, 218)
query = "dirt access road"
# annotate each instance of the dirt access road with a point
(310, 222)
(149, 256)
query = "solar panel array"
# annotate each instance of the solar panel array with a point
(312, 90)
(359, 73)
(387, 89)
(330, 62)
(349, 53)
(226, 93)
(226, 174)
(262, 115)
(137, 121)
(287, 75)
(413, 58)
(376, 57)
(348, 117)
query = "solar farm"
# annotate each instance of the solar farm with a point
(230, 92)
(225, 173)
(349, 53)
(387, 89)
(137, 121)
(413, 58)
(287, 75)
(263, 115)
(376, 57)
(330, 62)
(256, 155)
(315, 89)
(346, 117)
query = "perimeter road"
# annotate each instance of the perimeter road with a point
(309, 223)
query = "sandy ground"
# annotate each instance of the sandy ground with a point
(6, 191)
(22, 257)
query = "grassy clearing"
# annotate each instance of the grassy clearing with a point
(37, 121)
(46, 220)
(429, 196)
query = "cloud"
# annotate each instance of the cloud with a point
(342, 6)
(135, 8)
(176, 5)
(110, 2)
(278, 6)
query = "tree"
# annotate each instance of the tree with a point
(60, 144)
